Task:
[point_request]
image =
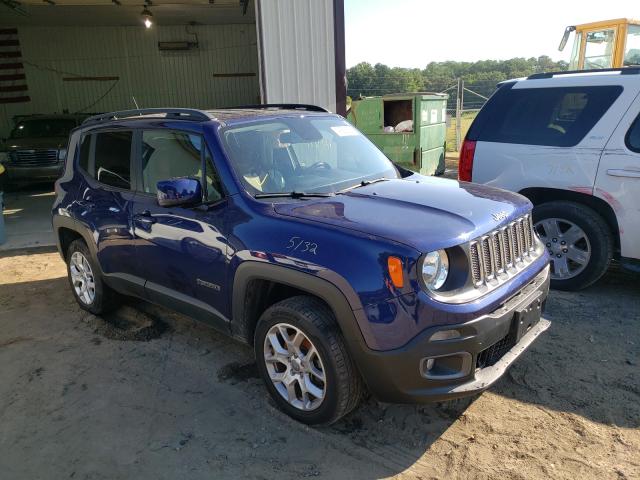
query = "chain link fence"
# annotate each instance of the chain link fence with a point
(465, 101)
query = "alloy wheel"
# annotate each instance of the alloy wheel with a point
(567, 244)
(295, 367)
(82, 278)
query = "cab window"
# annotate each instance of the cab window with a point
(598, 50)
(632, 46)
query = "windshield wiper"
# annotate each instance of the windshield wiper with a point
(363, 183)
(293, 194)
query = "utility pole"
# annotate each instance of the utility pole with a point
(459, 108)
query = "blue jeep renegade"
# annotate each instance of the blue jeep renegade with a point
(287, 229)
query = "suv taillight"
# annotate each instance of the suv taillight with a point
(465, 164)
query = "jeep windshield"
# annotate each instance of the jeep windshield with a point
(303, 156)
(43, 128)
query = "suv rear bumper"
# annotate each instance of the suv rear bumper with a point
(400, 375)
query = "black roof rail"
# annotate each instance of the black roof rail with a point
(174, 113)
(623, 71)
(282, 106)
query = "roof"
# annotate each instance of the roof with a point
(190, 114)
(224, 115)
(606, 23)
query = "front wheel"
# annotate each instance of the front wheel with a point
(304, 361)
(578, 240)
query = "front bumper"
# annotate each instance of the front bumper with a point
(17, 174)
(469, 363)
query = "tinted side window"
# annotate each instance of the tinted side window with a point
(559, 117)
(112, 159)
(83, 158)
(633, 136)
(167, 154)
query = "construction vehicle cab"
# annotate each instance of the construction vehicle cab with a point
(604, 44)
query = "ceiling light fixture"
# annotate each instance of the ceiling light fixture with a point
(147, 17)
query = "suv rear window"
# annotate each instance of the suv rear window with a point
(559, 116)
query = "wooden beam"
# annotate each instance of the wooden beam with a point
(232, 75)
(90, 79)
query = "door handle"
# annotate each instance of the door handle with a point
(145, 218)
(623, 173)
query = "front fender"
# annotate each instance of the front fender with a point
(324, 284)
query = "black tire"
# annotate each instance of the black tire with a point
(442, 163)
(105, 298)
(598, 233)
(344, 387)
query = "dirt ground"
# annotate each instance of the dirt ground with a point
(151, 394)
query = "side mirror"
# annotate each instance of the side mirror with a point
(565, 37)
(183, 191)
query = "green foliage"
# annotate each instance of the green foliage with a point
(482, 76)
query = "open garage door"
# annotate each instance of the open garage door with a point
(97, 55)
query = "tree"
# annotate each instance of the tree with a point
(482, 76)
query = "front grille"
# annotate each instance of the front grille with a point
(490, 356)
(502, 250)
(33, 158)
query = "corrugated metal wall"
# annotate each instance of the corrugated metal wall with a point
(298, 48)
(184, 78)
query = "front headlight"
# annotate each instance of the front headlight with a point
(62, 154)
(435, 269)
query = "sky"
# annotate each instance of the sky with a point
(412, 33)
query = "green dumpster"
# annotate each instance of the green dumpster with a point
(409, 128)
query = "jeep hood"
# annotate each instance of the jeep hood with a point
(425, 213)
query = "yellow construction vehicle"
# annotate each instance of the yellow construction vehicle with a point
(605, 44)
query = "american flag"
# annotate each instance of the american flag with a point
(13, 82)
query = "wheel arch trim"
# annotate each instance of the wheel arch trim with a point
(345, 311)
(540, 195)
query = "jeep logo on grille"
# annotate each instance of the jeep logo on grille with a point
(498, 217)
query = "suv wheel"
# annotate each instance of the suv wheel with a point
(578, 240)
(304, 361)
(86, 283)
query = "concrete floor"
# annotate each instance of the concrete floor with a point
(27, 218)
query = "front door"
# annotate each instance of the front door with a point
(618, 180)
(181, 250)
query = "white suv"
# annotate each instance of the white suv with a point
(570, 142)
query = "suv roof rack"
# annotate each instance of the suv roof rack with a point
(623, 71)
(281, 106)
(175, 113)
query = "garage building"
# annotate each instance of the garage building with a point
(91, 56)
(97, 55)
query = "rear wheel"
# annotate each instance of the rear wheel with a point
(578, 240)
(304, 361)
(87, 284)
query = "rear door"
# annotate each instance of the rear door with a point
(545, 133)
(618, 181)
(181, 250)
(104, 204)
